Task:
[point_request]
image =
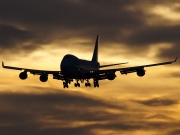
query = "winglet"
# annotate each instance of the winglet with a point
(2, 64)
(175, 59)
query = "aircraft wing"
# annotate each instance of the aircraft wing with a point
(128, 70)
(32, 71)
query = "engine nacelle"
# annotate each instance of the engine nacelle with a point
(43, 78)
(23, 75)
(111, 76)
(141, 72)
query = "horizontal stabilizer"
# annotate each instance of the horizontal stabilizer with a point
(113, 64)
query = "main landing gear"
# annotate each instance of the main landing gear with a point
(87, 83)
(77, 84)
(66, 82)
(96, 83)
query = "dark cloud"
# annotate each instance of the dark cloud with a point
(18, 39)
(14, 38)
(174, 132)
(177, 9)
(64, 112)
(51, 113)
(11, 35)
(170, 52)
(156, 102)
(63, 13)
(154, 35)
(68, 19)
(117, 21)
(146, 37)
(159, 117)
(174, 74)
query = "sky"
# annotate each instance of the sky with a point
(38, 33)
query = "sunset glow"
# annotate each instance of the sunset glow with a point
(37, 35)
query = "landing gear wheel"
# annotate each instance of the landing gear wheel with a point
(77, 84)
(87, 84)
(96, 83)
(65, 84)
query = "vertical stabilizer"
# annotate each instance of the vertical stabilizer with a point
(95, 53)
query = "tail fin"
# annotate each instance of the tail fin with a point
(95, 53)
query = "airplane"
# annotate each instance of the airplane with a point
(73, 68)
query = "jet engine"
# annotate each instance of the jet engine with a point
(23, 75)
(111, 76)
(43, 78)
(140, 72)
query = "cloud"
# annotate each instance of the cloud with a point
(14, 38)
(19, 40)
(159, 117)
(156, 102)
(30, 25)
(170, 52)
(63, 112)
(11, 35)
(144, 38)
(66, 19)
(58, 113)
(155, 34)
(174, 74)
(174, 132)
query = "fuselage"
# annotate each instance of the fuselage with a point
(73, 67)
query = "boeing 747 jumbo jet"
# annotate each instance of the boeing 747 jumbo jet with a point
(73, 68)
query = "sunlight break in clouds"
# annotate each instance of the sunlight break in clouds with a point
(167, 12)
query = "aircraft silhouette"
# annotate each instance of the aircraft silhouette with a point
(73, 68)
